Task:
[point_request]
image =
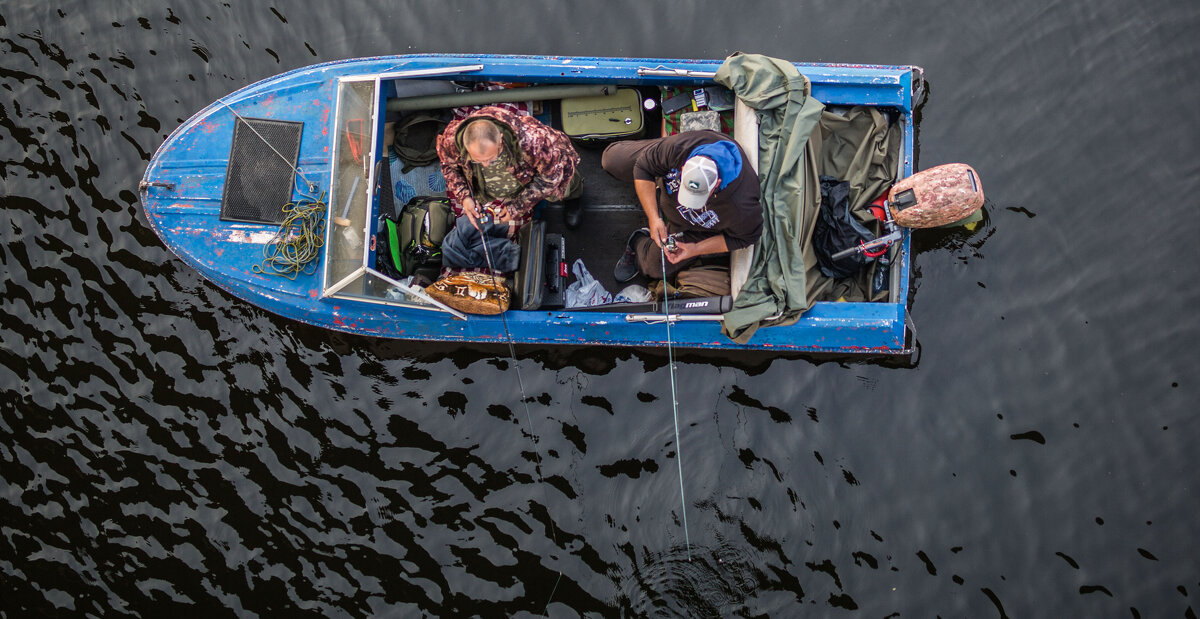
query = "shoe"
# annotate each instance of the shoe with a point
(572, 213)
(627, 267)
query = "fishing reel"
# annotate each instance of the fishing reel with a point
(670, 246)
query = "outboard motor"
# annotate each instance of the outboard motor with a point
(935, 197)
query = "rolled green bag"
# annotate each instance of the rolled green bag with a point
(506, 95)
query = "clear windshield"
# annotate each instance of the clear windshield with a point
(353, 205)
(346, 233)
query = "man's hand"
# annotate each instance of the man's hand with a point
(683, 252)
(471, 209)
(710, 245)
(658, 231)
(504, 213)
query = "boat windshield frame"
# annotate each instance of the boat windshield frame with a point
(355, 162)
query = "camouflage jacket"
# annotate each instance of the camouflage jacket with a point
(545, 158)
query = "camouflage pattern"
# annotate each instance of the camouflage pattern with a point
(699, 121)
(945, 194)
(497, 182)
(543, 162)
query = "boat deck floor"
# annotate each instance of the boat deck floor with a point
(610, 214)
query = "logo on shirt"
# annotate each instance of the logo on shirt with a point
(702, 218)
(671, 181)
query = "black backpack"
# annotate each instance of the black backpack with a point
(836, 229)
(415, 141)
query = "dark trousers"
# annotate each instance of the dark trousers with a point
(651, 259)
(618, 160)
(619, 157)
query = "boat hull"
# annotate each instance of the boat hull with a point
(182, 189)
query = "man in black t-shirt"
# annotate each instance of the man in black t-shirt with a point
(696, 186)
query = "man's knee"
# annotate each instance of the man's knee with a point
(618, 158)
(650, 258)
(609, 159)
(574, 187)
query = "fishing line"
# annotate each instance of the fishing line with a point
(512, 352)
(674, 400)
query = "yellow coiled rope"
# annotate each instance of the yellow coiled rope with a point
(297, 244)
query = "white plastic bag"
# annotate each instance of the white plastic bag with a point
(585, 290)
(634, 293)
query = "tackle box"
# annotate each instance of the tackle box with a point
(541, 279)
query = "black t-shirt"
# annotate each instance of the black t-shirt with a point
(734, 211)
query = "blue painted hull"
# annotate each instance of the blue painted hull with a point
(182, 189)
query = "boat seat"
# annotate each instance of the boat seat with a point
(745, 133)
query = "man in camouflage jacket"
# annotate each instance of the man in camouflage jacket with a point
(531, 162)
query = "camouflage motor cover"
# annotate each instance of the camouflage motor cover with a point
(935, 197)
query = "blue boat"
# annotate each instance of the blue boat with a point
(213, 193)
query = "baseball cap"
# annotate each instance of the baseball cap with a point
(697, 181)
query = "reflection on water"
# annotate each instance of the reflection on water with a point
(165, 445)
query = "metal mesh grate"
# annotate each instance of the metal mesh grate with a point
(258, 182)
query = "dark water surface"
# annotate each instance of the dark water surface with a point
(165, 447)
